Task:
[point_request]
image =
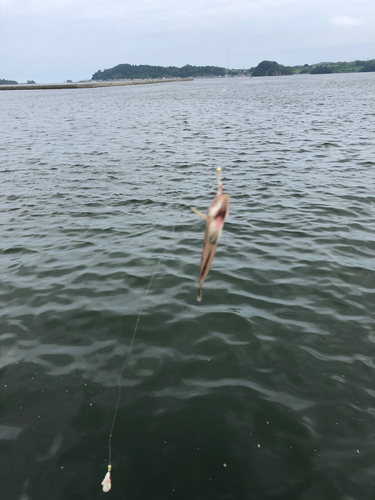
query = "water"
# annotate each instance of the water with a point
(265, 390)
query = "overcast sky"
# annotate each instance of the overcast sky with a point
(56, 40)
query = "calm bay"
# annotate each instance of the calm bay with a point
(264, 390)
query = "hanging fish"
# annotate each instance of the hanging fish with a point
(216, 215)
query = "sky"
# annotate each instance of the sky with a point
(50, 41)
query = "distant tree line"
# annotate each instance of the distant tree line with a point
(336, 67)
(7, 82)
(144, 71)
(272, 68)
(264, 68)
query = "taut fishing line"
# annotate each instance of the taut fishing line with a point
(107, 481)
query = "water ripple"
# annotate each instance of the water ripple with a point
(273, 373)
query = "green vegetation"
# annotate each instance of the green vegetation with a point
(30, 82)
(322, 69)
(270, 68)
(8, 82)
(132, 71)
(264, 68)
(367, 65)
(338, 67)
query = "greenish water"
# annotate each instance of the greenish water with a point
(266, 389)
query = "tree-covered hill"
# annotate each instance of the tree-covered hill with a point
(132, 71)
(270, 68)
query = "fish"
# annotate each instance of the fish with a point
(215, 218)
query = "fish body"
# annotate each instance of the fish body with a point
(215, 218)
(216, 215)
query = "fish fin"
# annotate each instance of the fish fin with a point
(200, 214)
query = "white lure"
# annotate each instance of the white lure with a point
(107, 482)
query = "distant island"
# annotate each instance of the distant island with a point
(144, 71)
(7, 82)
(12, 82)
(264, 68)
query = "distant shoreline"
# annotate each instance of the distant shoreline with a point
(89, 85)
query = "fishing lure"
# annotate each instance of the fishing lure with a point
(215, 218)
(107, 481)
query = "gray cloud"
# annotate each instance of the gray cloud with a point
(52, 40)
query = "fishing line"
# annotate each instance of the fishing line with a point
(107, 481)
